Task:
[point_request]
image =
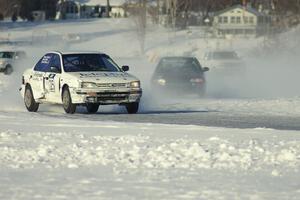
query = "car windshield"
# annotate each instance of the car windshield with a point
(89, 62)
(181, 65)
(6, 54)
(226, 55)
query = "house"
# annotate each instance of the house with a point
(116, 7)
(242, 21)
(75, 9)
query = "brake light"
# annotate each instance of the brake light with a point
(197, 80)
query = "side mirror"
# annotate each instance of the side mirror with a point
(54, 69)
(125, 68)
(205, 69)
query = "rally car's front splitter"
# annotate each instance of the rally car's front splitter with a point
(107, 97)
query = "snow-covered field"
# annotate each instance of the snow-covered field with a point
(51, 155)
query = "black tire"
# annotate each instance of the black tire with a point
(132, 108)
(29, 100)
(8, 70)
(68, 106)
(92, 107)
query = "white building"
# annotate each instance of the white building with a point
(240, 21)
(116, 6)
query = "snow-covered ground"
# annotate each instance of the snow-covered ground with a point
(67, 157)
(51, 155)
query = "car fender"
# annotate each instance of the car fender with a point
(70, 82)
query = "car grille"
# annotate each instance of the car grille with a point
(111, 85)
(112, 96)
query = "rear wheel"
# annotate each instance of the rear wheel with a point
(132, 108)
(29, 101)
(92, 108)
(69, 107)
(8, 70)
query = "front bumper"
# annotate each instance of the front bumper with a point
(2, 68)
(83, 96)
(170, 89)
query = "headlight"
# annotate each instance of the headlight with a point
(1, 62)
(88, 85)
(135, 84)
(161, 81)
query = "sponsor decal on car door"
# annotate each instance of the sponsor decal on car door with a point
(52, 80)
(37, 78)
(36, 82)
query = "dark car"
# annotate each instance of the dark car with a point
(178, 75)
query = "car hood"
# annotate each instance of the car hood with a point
(104, 77)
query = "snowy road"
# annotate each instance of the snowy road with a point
(205, 118)
(201, 118)
(209, 112)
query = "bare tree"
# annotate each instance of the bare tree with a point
(8, 7)
(154, 11)
(138, 12)
(178, 11)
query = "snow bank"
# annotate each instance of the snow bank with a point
(104, 160)
(68, 150)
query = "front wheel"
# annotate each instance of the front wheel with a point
(29, 101)
(69, 107)
(92, 108)
(132, 108)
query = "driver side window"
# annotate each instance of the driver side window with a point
(55, 62)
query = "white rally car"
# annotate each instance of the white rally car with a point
(88, 79)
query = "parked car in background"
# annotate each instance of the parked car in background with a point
(178, 75)
(87, 79)
(9, 60)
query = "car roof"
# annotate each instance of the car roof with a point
(177, 57)
(77, 52)
(12, 51)
(221, 51)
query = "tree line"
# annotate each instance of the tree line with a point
(24, 8)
